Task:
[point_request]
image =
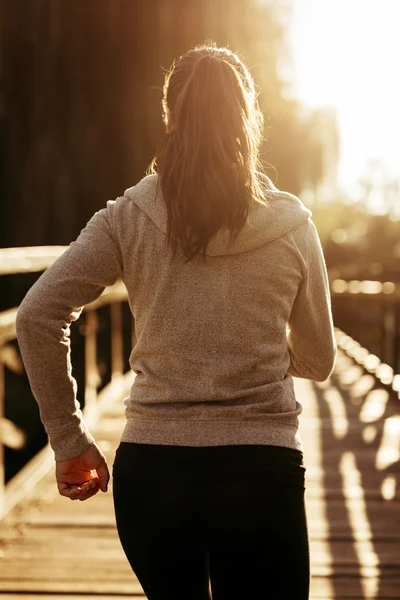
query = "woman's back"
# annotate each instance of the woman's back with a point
(211, 336)
(212, 343)
(228, 287)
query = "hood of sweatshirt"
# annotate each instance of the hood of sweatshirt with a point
(265, 224)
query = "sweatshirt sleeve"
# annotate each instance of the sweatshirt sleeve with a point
(311, 339)
(79, 276)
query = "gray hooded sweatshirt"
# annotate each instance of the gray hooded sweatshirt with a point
(217, 342)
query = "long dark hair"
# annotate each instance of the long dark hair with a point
(208, 161)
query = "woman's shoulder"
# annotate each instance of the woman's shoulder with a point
(145, 188)
(134, 198)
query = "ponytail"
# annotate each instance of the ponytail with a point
(209, 158)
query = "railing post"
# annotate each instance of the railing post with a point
(91, 374)
(396, 336)
(117, 357)
(33, 260)
(2, 466)
(388, 332)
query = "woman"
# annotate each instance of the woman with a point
(228, 287)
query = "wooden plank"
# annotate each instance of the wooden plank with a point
(48, 537)
(349, 587)
(379, 519)
(114, 569)
(23, 596)
(61, 596)
(69, 586)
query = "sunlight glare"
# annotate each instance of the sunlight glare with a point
(389, 450)
(360, 526)
(388, 487)
(369, 434)
(345, 55)
(374, 406)
(337, 409)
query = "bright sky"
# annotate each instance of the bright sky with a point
(346, 54)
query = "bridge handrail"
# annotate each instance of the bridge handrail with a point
(36, 259)
(370, 316)
(39, 258)
(367, 287)
(29, 259)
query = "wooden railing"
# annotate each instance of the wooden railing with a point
(36, 259)
(367, 317)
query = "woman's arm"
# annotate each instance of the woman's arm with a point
(311, 340)
(75, 279)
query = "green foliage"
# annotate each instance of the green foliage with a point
(358, 244)
(294, 147)
(82, 94)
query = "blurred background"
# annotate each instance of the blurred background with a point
(80, 119)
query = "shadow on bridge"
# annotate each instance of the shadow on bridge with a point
(360, 443)
(350, 429)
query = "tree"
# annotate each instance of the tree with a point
(82, 96)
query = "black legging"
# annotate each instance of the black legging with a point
(230, 515)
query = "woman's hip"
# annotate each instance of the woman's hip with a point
(267, 464)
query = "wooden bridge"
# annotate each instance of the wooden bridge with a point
(350, 427)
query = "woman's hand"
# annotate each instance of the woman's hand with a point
(75, 478)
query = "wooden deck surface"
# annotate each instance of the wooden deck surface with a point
(351, 434)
